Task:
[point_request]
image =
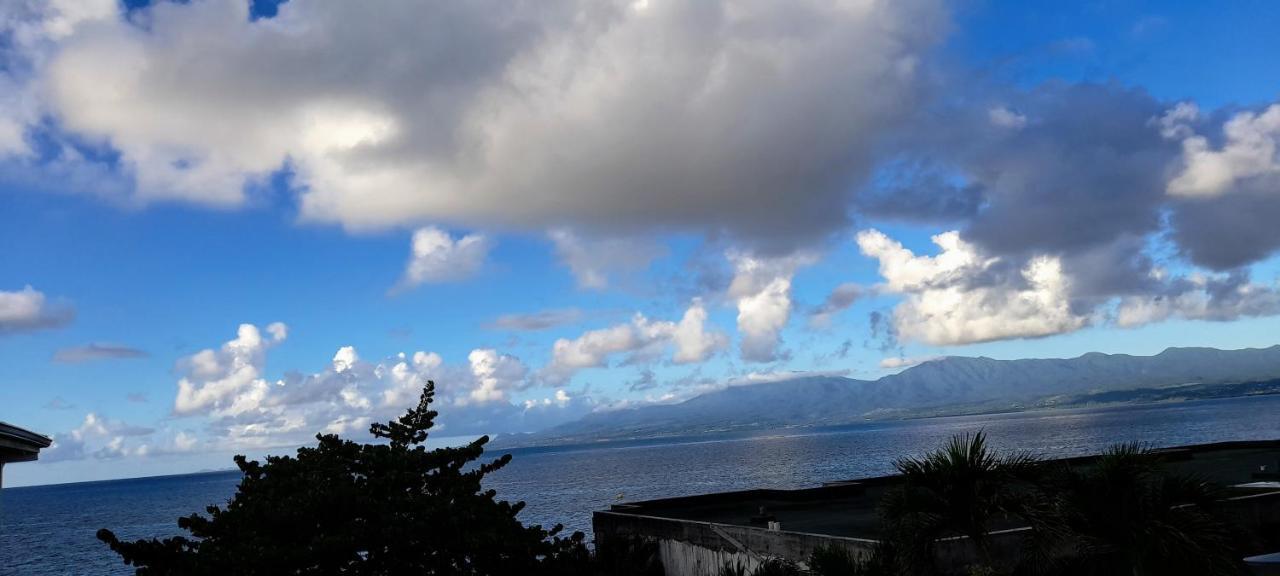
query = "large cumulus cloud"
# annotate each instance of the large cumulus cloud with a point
(961, 296)
(769, 125)
(749, 116)
(1059, 168)
(965, 294)
(1228, 184)
(1084, 204)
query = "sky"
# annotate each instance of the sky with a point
(227, 226)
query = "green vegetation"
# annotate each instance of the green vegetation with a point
(1118, 515)
(831, 561)
(387, 508)
(963, 489)
(1124, 516)
(1121, 515)
(1174, 394)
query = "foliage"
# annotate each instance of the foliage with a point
(769, 567)
(776, 567)
(341, 507)
(625, 558)
(1126, 516)
(1120, 514)
(962, 489)
(836, 561)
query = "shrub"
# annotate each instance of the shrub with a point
(385, 508)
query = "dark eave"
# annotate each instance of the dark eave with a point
(20, 445)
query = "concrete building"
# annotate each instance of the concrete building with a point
(19, 445)
(697, 535)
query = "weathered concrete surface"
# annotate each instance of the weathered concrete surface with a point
(695, 548)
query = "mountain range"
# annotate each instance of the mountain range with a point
(946, 385)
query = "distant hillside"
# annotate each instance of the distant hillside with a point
(988, 384)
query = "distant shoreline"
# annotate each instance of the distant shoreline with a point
(727, 435)
(691, 437)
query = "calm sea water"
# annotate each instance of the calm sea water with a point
(50, 529)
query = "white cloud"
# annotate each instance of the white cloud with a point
(345, 359)
(761, 317)
(903, 271)
(98, 437)
(693, 341)
(405, 377)
(1175, 123)
(60, 18)
(641, 339)
(32, 29)
(593, 349)
(762, 288)
(561, 398)
(1006, 118)
(495, 374)
(227, 381)
(438, 257)
(1223, 297)
(960, 296)
(278, 331)
(28, 309)
(241, 409)
(893, 363)
(780, 376)
(744, 116)
(957, 297)
(592, 261)
(184, 442)
(1251, 149)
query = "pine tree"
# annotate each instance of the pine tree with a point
(385, 508)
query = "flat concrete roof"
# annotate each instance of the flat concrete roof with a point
(20, 445)
(849, 509)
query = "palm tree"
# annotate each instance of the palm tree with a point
(1128, 517)
(963, 489)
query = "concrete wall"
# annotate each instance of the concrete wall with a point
(699, 548)
(690, 548)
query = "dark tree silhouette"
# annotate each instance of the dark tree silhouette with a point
(833, 561)
(341, 507)
(1128, 517)
(1119, 515)
(962, 489)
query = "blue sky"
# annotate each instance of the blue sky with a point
(665, 212)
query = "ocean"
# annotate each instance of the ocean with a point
(47, 530)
